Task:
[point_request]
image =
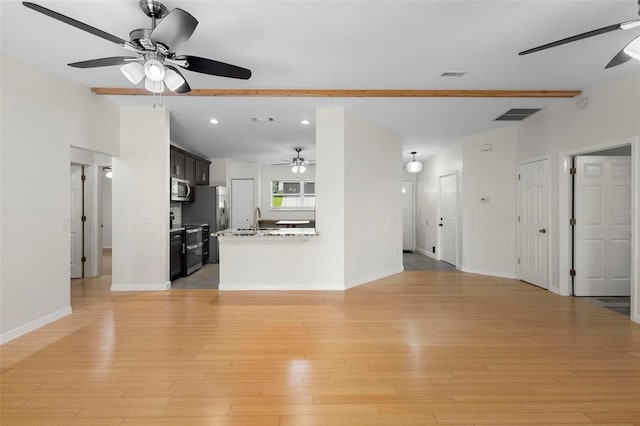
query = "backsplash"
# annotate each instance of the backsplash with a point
(176, 209)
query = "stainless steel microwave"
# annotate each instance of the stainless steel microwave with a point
(180, 190)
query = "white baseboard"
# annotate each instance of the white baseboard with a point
(141, 287)
(426, 253)
(370, 278)
(34, 325)
(488, 273)
(280, 287)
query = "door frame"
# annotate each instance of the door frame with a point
(458, 264)
(564, 205)
(550, 231)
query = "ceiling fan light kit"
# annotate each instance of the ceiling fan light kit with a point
(633, 49)
(133, 71)
(156, 47)
(414, 166)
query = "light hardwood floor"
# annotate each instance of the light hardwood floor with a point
(416, 348)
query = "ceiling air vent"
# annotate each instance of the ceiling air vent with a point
(517, 114)
(262, 119)
(453, 74)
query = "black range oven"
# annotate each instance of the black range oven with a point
(193, 245)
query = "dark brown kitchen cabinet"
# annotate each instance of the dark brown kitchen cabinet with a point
(202, 173)
(176, 254)
(190, 170)
(177, 161)
(185, 165)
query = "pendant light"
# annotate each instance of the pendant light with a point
(414, 166)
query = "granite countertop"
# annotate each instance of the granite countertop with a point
(267, 232)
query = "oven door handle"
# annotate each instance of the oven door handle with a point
(194, 246)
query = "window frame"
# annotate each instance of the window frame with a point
(301, 195)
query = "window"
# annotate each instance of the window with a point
(293, 195)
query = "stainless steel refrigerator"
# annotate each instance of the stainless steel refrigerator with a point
(210, 205)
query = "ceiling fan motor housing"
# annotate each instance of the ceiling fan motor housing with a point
(153, 9)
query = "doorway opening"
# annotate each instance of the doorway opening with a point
(408, 221)
(90, 222)
(601, 201)
(601, 227)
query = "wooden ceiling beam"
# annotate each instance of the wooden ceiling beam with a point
(349, 93)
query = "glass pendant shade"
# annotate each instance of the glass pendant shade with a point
(633, 49)
(294, 168)
(133, 71)
(302, 168)
(153, 86)
(154, 70)
(173, 80)
(414, 166)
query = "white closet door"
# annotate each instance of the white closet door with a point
(449, 218)
(242, 203)
(602, 240)
(533, 236)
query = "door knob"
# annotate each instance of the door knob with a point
(542, 231)
(440, 224)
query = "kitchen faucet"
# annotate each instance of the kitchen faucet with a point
(256, 218)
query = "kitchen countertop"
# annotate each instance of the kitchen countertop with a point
(176, 229)
(267, 232)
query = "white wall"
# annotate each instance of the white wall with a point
(373, 201)
(612, 114)
(38, 157)
(270, 173)
(140, 199)
(359, 217)
(445, 162)
(489, 241)
(218, 171)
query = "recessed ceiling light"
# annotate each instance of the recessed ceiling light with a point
(305, 122)
(213, 121)
(262, 119)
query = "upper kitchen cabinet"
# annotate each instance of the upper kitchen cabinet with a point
(177, 162)
(190, 170)
(202, 172)
(185, 165)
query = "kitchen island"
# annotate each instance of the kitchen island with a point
(273, 259)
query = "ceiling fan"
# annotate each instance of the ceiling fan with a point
(631, 50)
(298, 164)
(156, 61)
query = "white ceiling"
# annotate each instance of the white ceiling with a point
(340, 45)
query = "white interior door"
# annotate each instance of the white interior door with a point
(241, 203)
(533, 223)
(408, 231)
(448, 224)
(602, 242)
(75, 221)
